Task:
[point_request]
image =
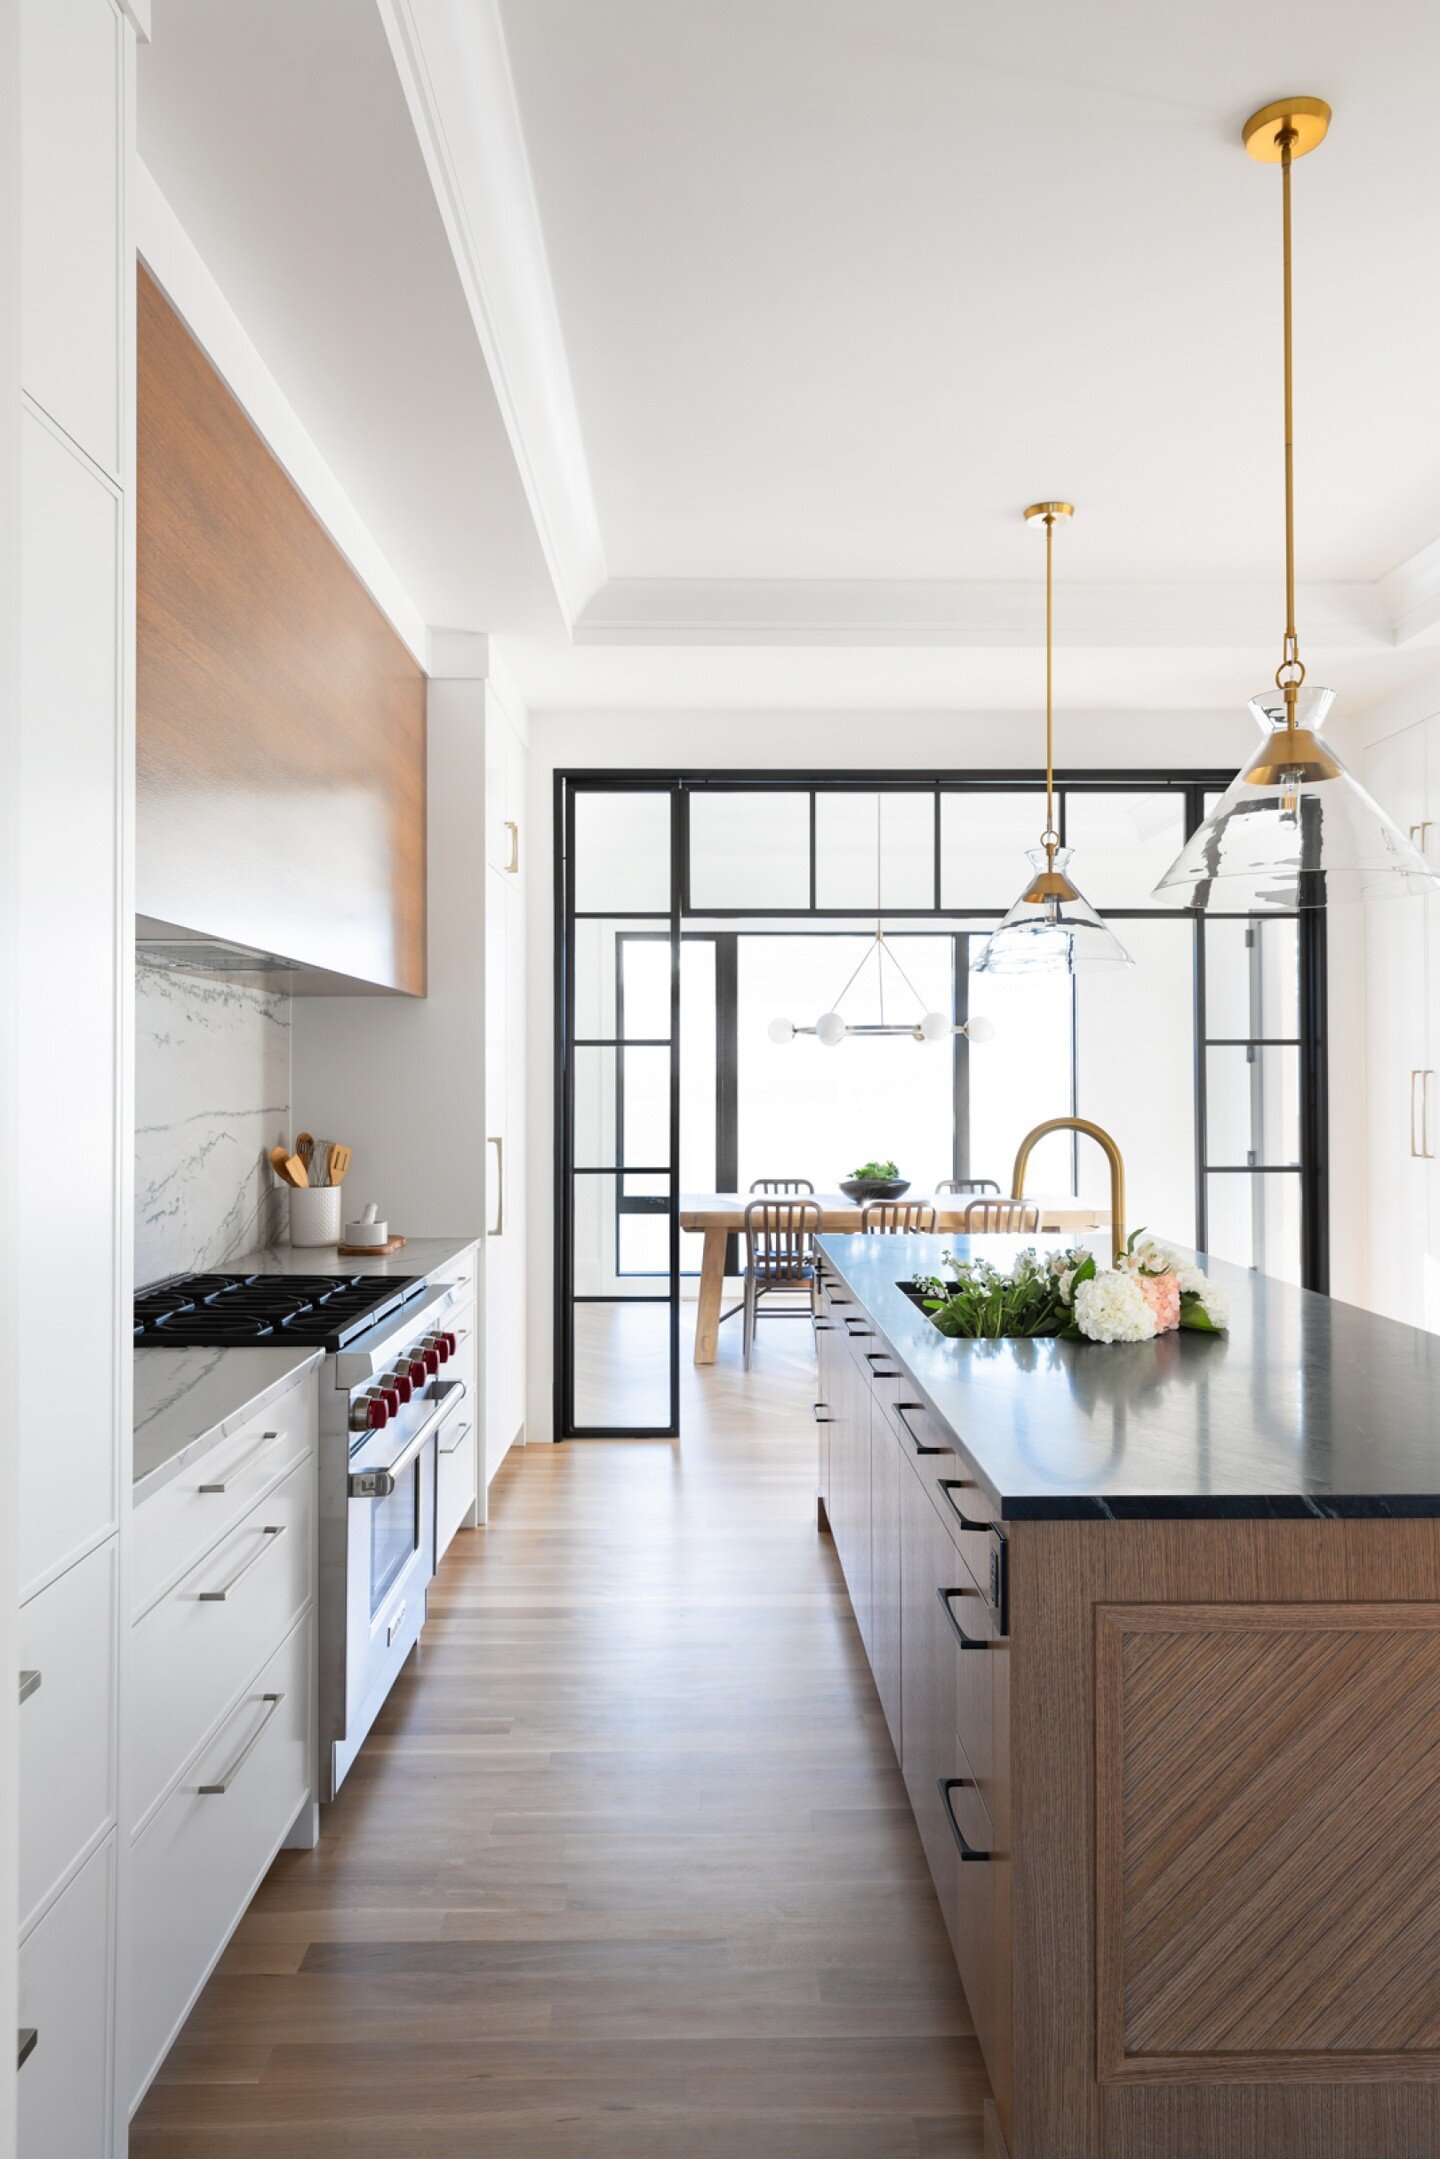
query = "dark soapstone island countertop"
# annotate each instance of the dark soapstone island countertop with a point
(1304, 1407)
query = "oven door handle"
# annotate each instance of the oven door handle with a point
(380, 1483)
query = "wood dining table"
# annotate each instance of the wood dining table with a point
(720, 1215)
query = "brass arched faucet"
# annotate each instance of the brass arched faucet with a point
(1112, 1156)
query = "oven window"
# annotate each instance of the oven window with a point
(394, 1535)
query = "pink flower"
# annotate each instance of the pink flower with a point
(1162, 1293)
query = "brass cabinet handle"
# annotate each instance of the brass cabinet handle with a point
(499, 1146)
(269, 1535)
(218, 1791)
(512, 867)
(947, 1786)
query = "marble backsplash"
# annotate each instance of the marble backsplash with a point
(212, 1097)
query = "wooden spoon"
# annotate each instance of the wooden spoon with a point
(305, 1148)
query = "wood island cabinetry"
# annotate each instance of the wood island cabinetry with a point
(1157, 1649)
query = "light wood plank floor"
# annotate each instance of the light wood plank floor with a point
(626, 1870)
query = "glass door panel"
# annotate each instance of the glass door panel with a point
(620, 1235)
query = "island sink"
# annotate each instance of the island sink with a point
(1156, 1632)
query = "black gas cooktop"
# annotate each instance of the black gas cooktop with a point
(310, 1311)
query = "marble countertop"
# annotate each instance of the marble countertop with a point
(422, 1255)
(187, 1399)
(1304, 1407)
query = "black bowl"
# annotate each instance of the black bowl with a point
(862, 1188)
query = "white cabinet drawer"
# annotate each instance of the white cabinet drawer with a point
(66, 1976)
(195, 1649)
(203, 1856)
(67, 1725)
(456, 1479)
(180, 1521)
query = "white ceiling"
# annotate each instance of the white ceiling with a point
(845, 283)
(706, 306)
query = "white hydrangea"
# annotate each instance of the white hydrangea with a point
(1112, 1307)
(1149, 1256)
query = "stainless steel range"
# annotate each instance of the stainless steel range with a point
(385, 1400)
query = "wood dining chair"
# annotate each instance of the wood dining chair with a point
(983, 1215)
(966, 1184)
(897, 1217)
(782, 1187)
(779, 1255)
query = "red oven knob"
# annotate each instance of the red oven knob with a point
(417, 1371)
(389, 1397)
(399, 1379)
(452, 1347)
(440, 1343)
(432, 1359)
(369, 1413)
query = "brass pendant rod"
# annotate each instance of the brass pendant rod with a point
(1291, 667)
(1050, 685)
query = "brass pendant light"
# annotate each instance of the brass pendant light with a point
(1052, 928)
(1295, 828)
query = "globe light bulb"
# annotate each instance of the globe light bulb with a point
(980, 1029)
(936, 1027)
(830, 1029)
(781, 1031)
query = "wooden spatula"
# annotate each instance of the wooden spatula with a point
(289, 1168)
(339, 1163)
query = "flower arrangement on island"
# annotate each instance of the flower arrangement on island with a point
(1149, 1290)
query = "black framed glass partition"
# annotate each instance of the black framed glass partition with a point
(694, 908)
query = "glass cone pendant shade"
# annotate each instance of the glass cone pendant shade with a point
(1295, 828)
(1052, 928)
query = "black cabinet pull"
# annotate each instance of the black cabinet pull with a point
(858, 1333)
(823, 1326)
(815, 1409)
(947, 1786)
(921, 1446)
(838, 1300)
(966, 1641)
(957, 1484)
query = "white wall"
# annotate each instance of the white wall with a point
(9, 909)
(816, 743)
(401, 1079)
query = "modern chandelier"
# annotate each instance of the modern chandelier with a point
(831, 1029)
(1295, 828)
(1052, 928)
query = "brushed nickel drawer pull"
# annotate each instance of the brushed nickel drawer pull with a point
(966, 1641)
(28, 2037)
(29, 1684)
(920, 1445)
(947, 1786)
(512, 867)
(218, 1791)
(218, 1596)
(457, 1442)
(267, 1441)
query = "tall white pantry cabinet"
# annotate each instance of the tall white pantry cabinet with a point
(72, 1016)
(1402, 1014)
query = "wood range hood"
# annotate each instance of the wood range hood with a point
(280, 720)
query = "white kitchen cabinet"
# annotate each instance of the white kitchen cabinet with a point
(504, 793)
(504, 1379)
(457, 1466)
(68, 1003)
(67, 1998)
(72, 134)
(201, 1859)
(1402, 941)
(68, 1649)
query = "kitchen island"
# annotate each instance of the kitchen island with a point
(1156, 1630)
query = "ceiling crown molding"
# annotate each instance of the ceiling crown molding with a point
(1412, 596)
(455, 72)
(914, 612)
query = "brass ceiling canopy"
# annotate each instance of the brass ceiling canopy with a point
(1306, 120)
